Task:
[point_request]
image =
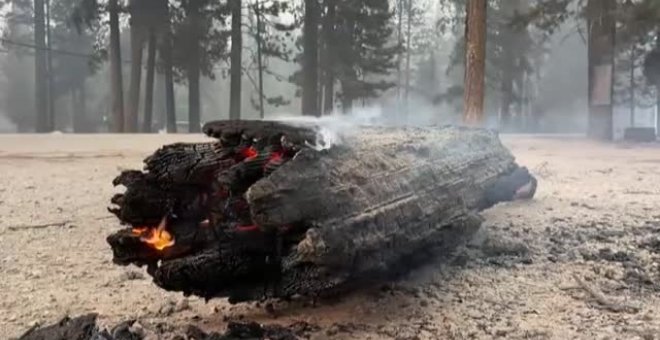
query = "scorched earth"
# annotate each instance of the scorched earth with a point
(579, 261)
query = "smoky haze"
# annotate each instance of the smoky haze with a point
(536, 79)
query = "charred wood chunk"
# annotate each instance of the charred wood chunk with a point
(83, 328)
(216, 273)
(228, 131)
(144, 202)
(519, 184)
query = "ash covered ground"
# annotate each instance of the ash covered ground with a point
(579, 261)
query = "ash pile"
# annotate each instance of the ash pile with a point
(265, 212)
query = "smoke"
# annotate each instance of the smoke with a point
(336, 128)
(6, 126)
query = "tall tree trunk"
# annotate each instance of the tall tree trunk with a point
(657, 112)
(137, 44)
(80, 124)
(328, 58)
(258, 14)
(193, 68)
(51, 72)
(399, 59)
(632, 86)
(236, 60)
(149, 89)
(409, 11)
(117, 92)
(346, 103)
(169, 83)
(168, 65)
(475, 62)
(602, 31)
(347, 76)
(74, 109)
(506, 87)
(160, 110)
(510, 56)
(41, 81)
(310, 67)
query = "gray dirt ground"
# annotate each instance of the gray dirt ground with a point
(596, 218)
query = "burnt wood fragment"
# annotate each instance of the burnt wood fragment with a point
(80, 328)
(86, 328)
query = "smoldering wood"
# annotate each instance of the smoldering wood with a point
(317, 221)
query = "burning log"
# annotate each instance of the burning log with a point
(266, 212)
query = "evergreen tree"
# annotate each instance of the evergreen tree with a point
(364, 52)
(273, 40)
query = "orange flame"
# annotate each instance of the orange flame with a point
(158, 238)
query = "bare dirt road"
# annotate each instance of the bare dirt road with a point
(579, 261)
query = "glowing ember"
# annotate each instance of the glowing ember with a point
(249, 153)
(140, 230)
(158, 238)
(275, 157)
(247, 228)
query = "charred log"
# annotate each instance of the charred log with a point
(86, 328)
(260, 214)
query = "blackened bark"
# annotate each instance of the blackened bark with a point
(149, 89)
(310, 67)
(40, 67)
(475, 62)
(117, 91)
(236, 60)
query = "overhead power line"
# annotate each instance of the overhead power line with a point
(53, 50)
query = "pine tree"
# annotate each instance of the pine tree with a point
(274, 41)
(365, 51)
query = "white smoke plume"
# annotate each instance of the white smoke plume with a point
(336, 127)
